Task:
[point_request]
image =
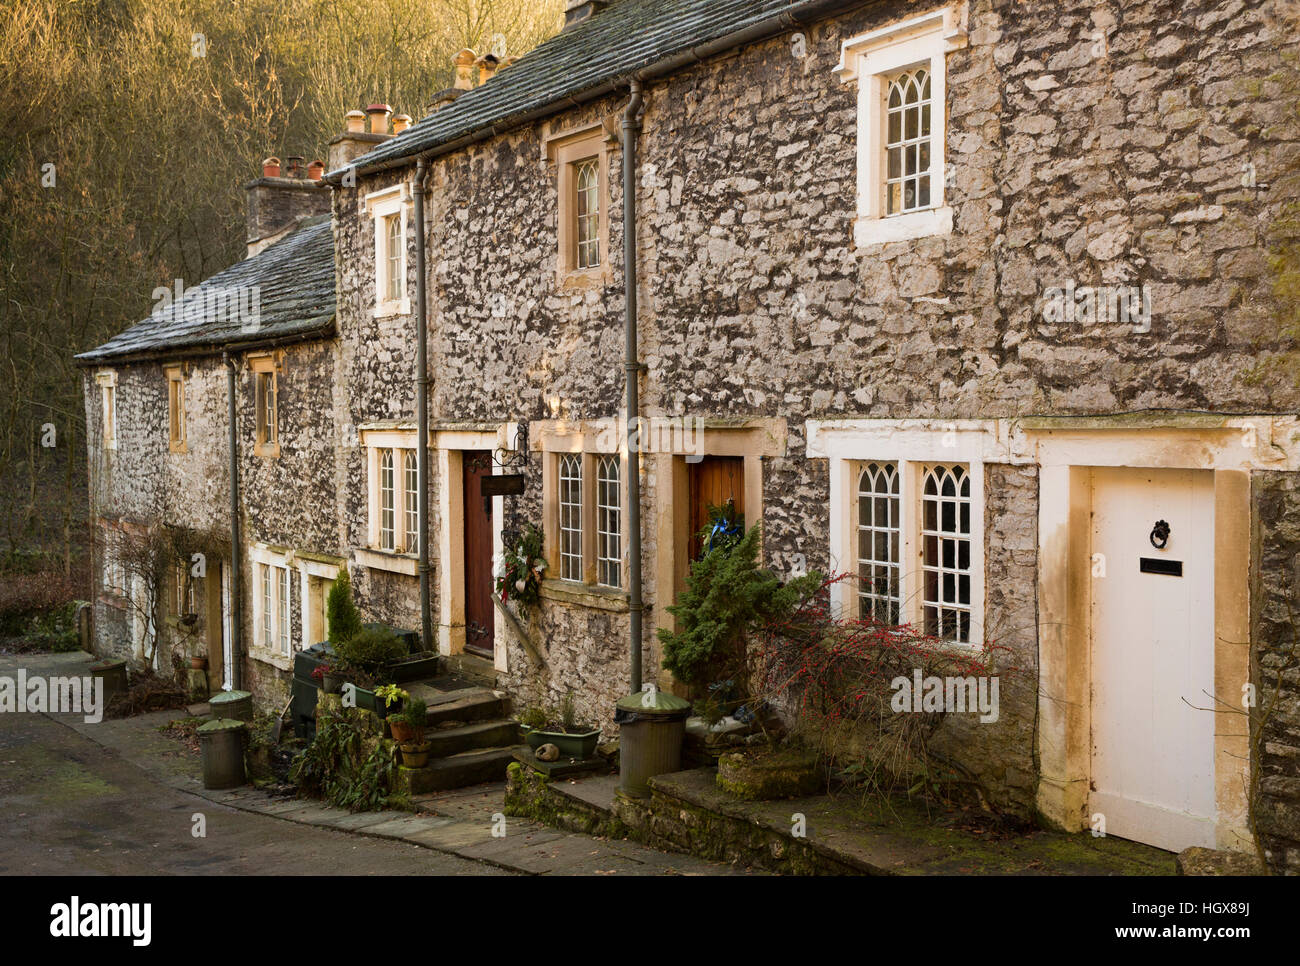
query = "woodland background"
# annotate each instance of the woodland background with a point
(152, 131)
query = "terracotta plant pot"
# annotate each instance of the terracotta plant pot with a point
(198, 663)
(415, 754)
(404, 733)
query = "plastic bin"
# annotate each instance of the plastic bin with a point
(652, 727)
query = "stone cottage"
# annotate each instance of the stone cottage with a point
(970, 300)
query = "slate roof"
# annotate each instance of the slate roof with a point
(295, 288)
(626, 36)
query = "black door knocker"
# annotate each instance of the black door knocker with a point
(1160, 535)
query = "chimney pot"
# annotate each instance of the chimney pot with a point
(316, 170)
(576, 11)
(271, 167)
(294, 169)
(379, 114)
(401, 122)
(355, 121)
(464, 63)
(487, 66)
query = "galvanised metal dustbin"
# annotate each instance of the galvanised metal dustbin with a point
(221, 744)
(232, 704)
(652, 727)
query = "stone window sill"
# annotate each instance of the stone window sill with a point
(386, 310)
(274, 658)
(917, 224)
(397, 563)
(585, 595)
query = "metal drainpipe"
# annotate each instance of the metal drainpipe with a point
(236, 671)
(422, 409)
(632, 367)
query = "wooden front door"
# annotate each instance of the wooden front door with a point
(714, 481)
(479, 611)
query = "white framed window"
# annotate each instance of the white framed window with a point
(184, 596)
(907, 142)
(389, 211)
(410, 502)
(387, 502)
(609, 529)
(108, 407)
(393, 490)
(586, 186)
(907, 505)
(272, 605)
(879, 540)
(901, 74)
(283, 624)
(570, 504)
(946, 551)
(268, 606)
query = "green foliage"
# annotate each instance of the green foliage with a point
(522, 568)
(568, 716)
(727, 595)
(534, 716)
(370, 650)
(341, 614)
(391, 694)
(332, 766)
(414, 713)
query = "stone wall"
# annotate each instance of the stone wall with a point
(1095, 143)
(1275, 660)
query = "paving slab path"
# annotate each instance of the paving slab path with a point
(118, 796)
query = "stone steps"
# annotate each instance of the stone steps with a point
(495, 733)
(459, 770)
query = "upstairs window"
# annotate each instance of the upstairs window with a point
(581, 160)
(108, 407)
(176, 409)
(901, 74)
(394, 269)
(587, 211)
(266, 402)
(907, 143)
(390, 214)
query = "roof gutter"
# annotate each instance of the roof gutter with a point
(322, 332)
(795, 15)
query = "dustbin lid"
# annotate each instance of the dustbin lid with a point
(228, 697)
(219, 724)
(654, 702)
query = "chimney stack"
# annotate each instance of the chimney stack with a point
(576, 11)
(281, 198)
(355, 139)
(464, 63)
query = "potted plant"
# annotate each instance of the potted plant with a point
(573, 739)
(407, 726)
(415, 754)
(329, 677)
(199, 662)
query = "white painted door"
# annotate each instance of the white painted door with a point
(1153, 656)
